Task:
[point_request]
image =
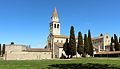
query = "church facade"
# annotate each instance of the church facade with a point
(55, 40)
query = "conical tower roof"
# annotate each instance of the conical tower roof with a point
(55, 13)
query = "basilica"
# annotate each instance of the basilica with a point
(56, 40)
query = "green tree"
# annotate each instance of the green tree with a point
(66, 48)
(111, 44)
(3, 50)
(0, 49)
(80, 48)
(86, 44)
(116, 43)
(90, 44)
(101, 34)
(12, 43)
(72, 42)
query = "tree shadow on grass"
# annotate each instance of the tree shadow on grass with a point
(82, 66)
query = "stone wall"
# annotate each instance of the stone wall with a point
(56, 52)
(20, 52)
(27, 55)
(60, 40)
(15, 48)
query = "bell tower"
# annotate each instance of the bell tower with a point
(54, 24)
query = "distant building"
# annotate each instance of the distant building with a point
(102, 43)
(24, 52)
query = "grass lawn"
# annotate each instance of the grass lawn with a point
(83, 63)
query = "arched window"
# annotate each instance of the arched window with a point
(57, 40)
(106, 36)
(57, 25)
(61, 41)
(54, 25)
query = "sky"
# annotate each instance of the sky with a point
(27, 21)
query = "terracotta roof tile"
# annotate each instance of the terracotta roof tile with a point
(110, 52)
(38, 50)
(61, 36)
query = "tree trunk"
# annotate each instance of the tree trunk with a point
(71, 56)
(68, 57)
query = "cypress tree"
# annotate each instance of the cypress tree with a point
(111, 44)
(116, 43)
(72, 42)
(0, 49)
(112, 40)
(86, 44)
(119, 44)
(80, 48)
(3, 50)
(66, 48)
(90, 44)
